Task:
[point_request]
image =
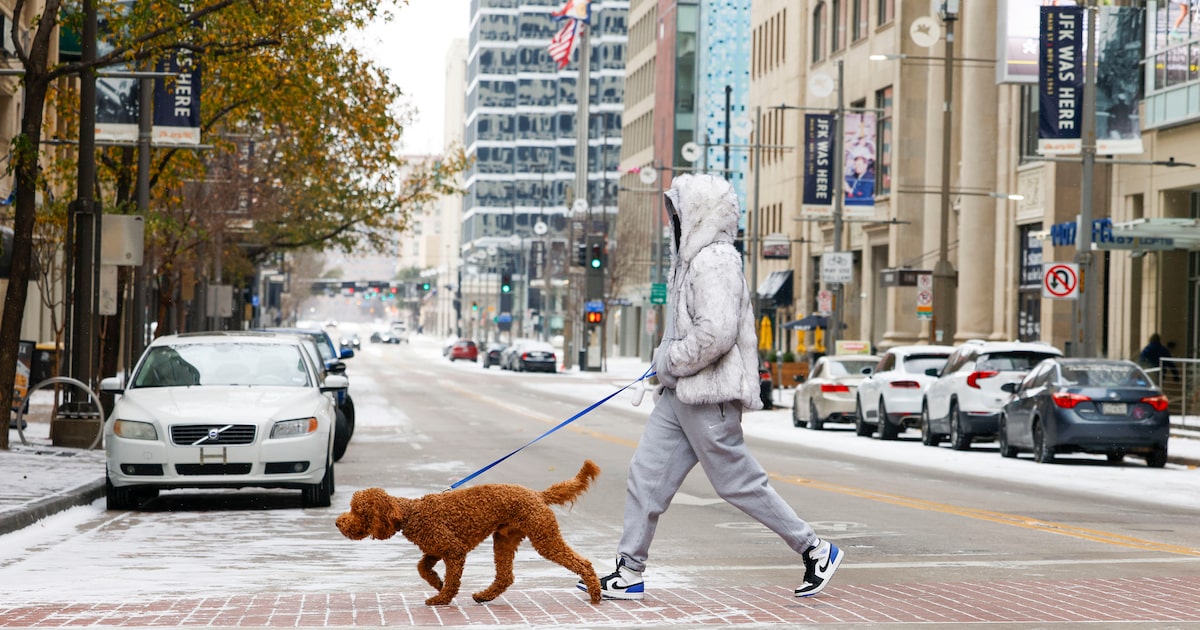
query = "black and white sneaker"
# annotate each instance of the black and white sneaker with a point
(624, 583)
(820, 563)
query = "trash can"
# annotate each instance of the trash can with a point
(44, 361)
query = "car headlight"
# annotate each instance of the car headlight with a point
(292, 428)
(135, 430)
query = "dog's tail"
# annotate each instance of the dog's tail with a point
(565, 492)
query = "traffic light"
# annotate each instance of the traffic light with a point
(581, 254)
(424, 286)
(593, 317)
(474, 306)
(506, 282)
(595, 253)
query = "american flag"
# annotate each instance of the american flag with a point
(564, 40)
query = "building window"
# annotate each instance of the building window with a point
(883, 161)
(837, 35)
(1029, 121)
(818, 32)
(858, 18)
(887, 11)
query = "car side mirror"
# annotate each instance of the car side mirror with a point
(335, 383)
(347, 353)
(931, 372)
(1010, 387)
(112, 385)
(798, 378)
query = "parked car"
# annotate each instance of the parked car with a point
(385, 336)
(1104, 406)
(829, 392)
(964, 403)
(534, 356)
(463, 349)
(221, 409)
(889, 400)
(333, 357)
(492, 355)
(508, 355)
(765, 386)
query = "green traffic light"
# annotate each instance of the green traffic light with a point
(595, 263)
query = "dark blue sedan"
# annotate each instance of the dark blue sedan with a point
(1102, 406)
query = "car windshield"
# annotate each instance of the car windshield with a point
(1020, 361)
(189, 365)
(1105, 375)
(849, 368)
(918, 363)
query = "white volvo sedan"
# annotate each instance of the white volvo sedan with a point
(221, 410)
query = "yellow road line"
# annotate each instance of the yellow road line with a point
(1002, 518)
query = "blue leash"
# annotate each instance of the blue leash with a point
(649, 372)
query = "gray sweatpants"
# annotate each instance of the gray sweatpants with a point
(679, 435)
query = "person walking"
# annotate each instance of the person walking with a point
(707, 367)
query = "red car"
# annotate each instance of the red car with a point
(464, 349)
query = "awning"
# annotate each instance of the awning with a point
(1152, 235)
(776, 290)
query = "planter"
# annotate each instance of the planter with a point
(789, 371)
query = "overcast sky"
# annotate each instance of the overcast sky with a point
(413, 49)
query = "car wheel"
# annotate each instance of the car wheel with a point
(861, 428)
(119, 498)
(928, 437)
(1006, 450)
(1043, 453)
(341, 435)
(319, 494)
(814, 421)
(1157, 458)
(796, 422)
(959, 441)
(348, 409)
(887, 430)
(1115, 458)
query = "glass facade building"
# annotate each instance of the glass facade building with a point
(520, 127)
(724, 62)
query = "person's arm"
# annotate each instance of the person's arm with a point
(715, 294)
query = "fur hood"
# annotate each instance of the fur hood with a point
(709, 352)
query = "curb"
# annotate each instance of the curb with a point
(37, 510)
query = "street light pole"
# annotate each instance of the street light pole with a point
(838, 165)
(943, 272)
(751, 240)
(1088, 304)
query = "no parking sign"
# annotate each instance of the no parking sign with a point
(1060, 281)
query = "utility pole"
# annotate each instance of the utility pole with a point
(944, 289)
(752, 238)
(838, 164)
(1089, 287)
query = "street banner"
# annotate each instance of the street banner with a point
(177, 100)
(1060, 81)
(818, 164)
(1118, 79)
(117, 99)
(1017, 39)
(858, 165)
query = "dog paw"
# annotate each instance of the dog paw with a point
(438, 600)
(483, 598)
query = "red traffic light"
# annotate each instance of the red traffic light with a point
(594, 317)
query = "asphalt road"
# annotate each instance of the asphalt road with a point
(923, 545)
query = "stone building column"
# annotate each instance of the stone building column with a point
(980, 138)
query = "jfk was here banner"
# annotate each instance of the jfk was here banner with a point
(1060, 80)
(819, 186)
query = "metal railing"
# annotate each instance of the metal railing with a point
(1179, 380)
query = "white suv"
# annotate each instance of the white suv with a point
(964, 403)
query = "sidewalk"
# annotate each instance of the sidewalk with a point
(40, 479)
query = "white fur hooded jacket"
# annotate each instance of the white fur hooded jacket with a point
(709, 350)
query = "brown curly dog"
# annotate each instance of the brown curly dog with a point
(448, 525)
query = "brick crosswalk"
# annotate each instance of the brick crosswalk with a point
(1160, 600)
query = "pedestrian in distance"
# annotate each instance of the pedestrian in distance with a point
(707, 367)
(1153, 354)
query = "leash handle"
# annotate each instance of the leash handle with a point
(648, 373)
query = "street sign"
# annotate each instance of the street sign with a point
(1060, 281)
(925, 295)
(593, 306)
(825, 302)
(658, 293)
(837, 267)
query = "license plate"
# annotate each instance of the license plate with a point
(1113, 409)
